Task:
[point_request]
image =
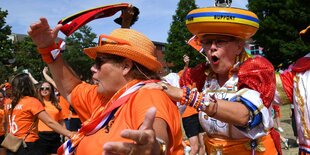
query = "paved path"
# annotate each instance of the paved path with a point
(288, 132)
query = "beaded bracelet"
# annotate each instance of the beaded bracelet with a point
(193, 97)
(185, 96)
(198, 100)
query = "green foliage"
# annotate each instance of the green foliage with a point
(6, 48)
(27, 57)
(280, 23)
(18, 56)
(177, 37)
(23, 54)
(81, 63)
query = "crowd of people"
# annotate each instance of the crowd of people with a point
(222, 106)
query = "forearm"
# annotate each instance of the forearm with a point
(58, 128)
(230, 112)
(46, 119)
(162, 132)
(64, 77)
(33, 80)
(49, 79)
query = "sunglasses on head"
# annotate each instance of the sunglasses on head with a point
(45, 88)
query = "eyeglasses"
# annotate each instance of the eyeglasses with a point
(100, 61)
(217, 42)
(45, 88)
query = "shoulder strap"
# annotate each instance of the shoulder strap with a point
(31, 127)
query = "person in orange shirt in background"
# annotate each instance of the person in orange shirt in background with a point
(71, 119)
(23, 113)
(2, 120)
(113, 110)
(6, 91)
(49, 139)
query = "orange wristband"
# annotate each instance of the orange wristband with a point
(47, 50)
(50, 53)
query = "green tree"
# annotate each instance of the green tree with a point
(178, 35)
(280, 23)
(83, 38)
(27, 57)
(6, 48)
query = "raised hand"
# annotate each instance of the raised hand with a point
(41, 33)
(186, 60)
(45, 70)
(144, 139)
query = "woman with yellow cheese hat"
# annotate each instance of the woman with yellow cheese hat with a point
(234, 92)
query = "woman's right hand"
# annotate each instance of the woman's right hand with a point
(41, 33)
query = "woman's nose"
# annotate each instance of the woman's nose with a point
(93, 69)
(213, 44)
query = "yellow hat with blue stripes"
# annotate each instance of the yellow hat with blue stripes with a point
(234, 22)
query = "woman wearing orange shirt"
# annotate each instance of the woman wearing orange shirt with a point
(23, 113)
(113, 110)
(49, 139)
(2, 131)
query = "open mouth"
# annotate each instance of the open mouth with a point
(215, 59)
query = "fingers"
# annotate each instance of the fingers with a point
(57, 29)
(42, 24)
(119, 148)
(152, 86)
(213, 98)
(43, 21)
(140, 137)
(148, 119)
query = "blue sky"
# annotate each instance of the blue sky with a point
(154, 19)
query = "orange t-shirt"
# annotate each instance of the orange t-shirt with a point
(74, 115)
(64, 107)
(89, 100)
(2, 132)
(128, 116)
(23, 116)
(54, 113)
(7, 100)
(189, 111)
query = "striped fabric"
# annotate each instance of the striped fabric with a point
(224, 17)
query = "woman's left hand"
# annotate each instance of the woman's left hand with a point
(144, 139)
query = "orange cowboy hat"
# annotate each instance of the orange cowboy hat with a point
(305, 34)
(233, 22)
(127, 43)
